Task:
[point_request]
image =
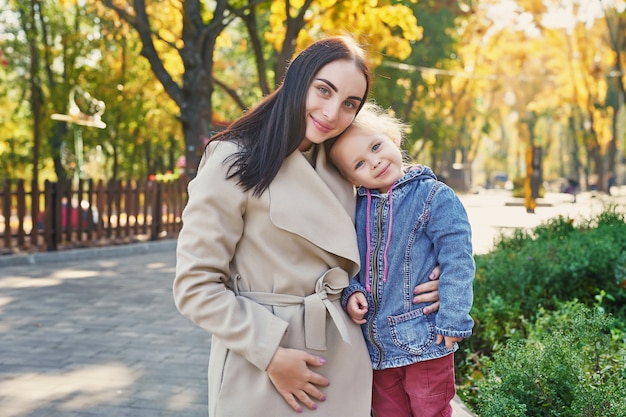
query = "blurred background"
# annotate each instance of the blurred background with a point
(106, 106)
(108, 89)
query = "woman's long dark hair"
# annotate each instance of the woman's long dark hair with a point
(276, 126)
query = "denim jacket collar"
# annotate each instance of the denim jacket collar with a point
(411, 173)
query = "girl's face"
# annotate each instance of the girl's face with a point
(333, 98)
(368, 158)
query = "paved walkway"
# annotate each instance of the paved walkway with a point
(494, 212)
(91, 333)
(100, 337)
(94, 332)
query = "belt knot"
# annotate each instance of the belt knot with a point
(327, 289)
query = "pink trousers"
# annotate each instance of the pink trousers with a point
(424, 389)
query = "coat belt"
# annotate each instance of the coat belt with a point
(327, 289)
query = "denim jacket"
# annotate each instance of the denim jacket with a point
(402, 236)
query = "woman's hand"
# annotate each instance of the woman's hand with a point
(428, 292)
(295, 382)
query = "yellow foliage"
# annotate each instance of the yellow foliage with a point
(383, 28)
(224, 41)
(603, 127)
(296, 4)
(277, 27)
(429, 77)
(166, 20)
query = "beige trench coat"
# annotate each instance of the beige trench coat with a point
(258, 273)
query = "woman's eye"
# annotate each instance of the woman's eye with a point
(350, 105)
(323, 90)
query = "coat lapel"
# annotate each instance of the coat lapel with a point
(317, 206)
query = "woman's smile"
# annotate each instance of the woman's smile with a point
(322, 127)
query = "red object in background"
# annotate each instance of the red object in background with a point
(88, 216)
(3, 60)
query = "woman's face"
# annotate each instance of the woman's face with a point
(334, 96)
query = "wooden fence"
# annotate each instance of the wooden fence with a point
(62, 216)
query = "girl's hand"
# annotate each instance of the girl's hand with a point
(448, 339)
(357, 307)
(295, 382)
(428, 292)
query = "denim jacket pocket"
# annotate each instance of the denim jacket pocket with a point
(413, 332)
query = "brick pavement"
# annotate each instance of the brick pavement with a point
(100, 337)
(94, 332)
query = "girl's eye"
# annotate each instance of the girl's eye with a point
(376, 147)
(358, 165)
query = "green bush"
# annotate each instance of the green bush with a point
(550, 313)
(570, 365)
(553, 263)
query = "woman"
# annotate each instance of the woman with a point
(268, 244)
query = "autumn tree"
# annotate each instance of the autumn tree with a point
(616, 37)
(197, 32)
(142, 135)
(581, 73)
(52, 32)
(416, 87)
(545, 65)
(16, 136)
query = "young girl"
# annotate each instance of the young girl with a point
(268, 244)
(407, 222)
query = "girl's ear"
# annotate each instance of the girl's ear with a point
(348, 178)
(353, 182)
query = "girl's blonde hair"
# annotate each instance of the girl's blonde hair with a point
(375, 118)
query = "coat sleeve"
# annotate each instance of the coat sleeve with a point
(450, 232)
(213, 223)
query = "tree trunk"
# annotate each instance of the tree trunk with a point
(196, 110)
(193, 98)
(35, 91)
(611, 151)
(294, 25)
